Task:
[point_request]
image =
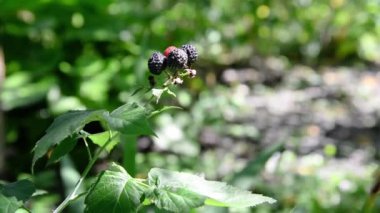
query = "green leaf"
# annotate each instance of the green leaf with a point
(13, 195)
(62, 127)
(130, 119)
(114, 191)
(175, 199)
(22, 190)
(218, 193)
(62, 149)
(22, 210)
(9, 204)
(101, 138)
(212, 202)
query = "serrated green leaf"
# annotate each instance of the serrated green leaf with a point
(218, 193)
(101, 138)
(62, 149)
(22, 190)
(175, 199)
(9, 204)
(130, 119)
(62, 127)
(114, 191)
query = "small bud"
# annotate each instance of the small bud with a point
(192, 73)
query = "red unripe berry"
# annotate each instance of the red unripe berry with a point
(168, 50)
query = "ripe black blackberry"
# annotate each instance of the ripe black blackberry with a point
(177, 59)
(191, 52)
(157, 63)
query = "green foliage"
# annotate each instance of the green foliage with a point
(101, 138)
(9, 204)
(70, 54)
(175, 199)
(224, 194)
(62, 149)
(129, 119)
(63, 127)
(114, 191)
(13, 195)
(73, 54)
(22, 190)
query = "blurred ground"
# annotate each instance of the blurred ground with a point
(327, 119)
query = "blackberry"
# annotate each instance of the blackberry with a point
(191, 52)
(177, 59)
(157, 63)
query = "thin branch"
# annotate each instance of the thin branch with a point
(73, 194)
(87, 148)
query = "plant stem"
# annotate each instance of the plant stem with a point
(87, 148)
(369, 203)
(73, 195)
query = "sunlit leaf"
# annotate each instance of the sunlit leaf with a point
(114, 191)
(176, 199)
(218, 193)
(130, 119)
(101, 138)
(9, 204)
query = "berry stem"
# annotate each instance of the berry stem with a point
(87, 148)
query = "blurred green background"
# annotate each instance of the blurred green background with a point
(286, 101)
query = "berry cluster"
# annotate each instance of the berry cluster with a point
(174, 59)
